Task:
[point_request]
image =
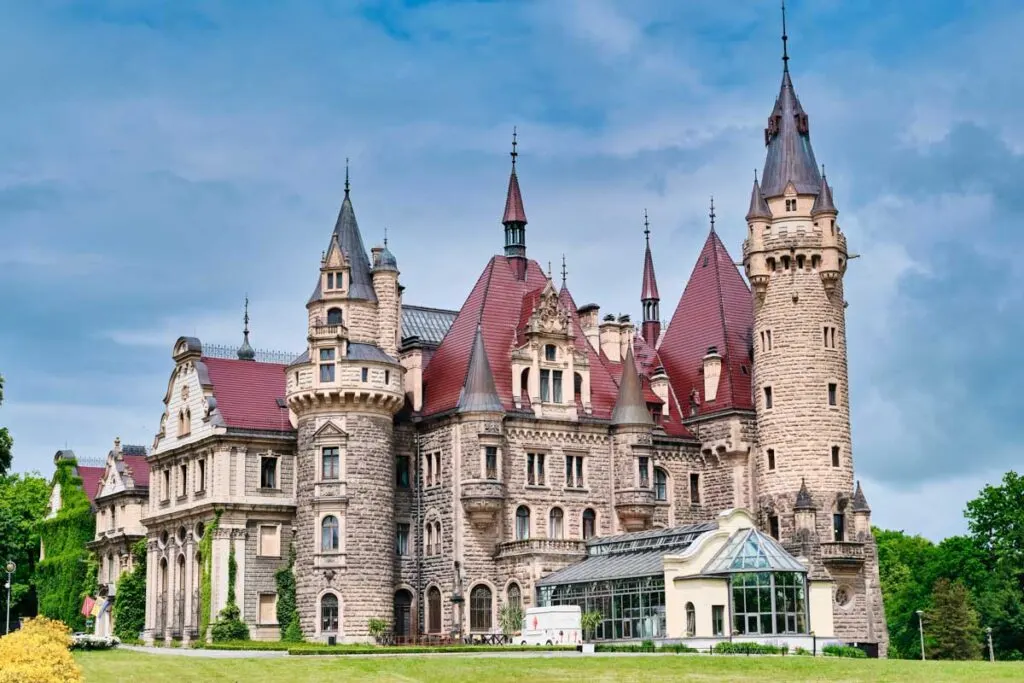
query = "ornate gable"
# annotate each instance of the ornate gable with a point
(549, 316)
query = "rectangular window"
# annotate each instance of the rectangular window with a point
(201, 475)
(437, 467)
(364, 374)
(183, 481)
(402, 471)
(694, 488)
(428, 470)
(718, 620)
(771, 458)
(491, 463)
(167, 485)
(402, 539)
(549, 352)
(268, 472)
(835, 456)
(839, 527)
(330, 280)
(773, 526)
(535, 469)
(545, 385)
(268, 608)
(574, 471)
(644, 471)
(832, 390)
(768, 398)
(790, 205)
(330, 463)
(327, 354)
(327, 373)
(269, 541)
(387, 377)
(556, 386)
(829, 334)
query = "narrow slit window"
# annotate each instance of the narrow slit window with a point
(768, 398)
(771, 458)
(832, 391)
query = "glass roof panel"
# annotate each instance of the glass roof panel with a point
(750, 550)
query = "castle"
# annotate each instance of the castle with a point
(429, 466)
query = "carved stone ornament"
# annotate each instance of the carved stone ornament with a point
(549, 317)
(329, 575)
(184, 393)
(492, 428)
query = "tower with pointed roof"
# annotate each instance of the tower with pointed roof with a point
(344, 392)
(649, 298)
(795, 256)
(514, 218)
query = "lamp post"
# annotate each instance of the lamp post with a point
(920, 628)
(10, 570)
(991, 652)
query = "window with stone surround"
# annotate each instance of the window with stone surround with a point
(574, 472)
(766, 340)
(514, 595)
(833, 390)
(589, 524)
(773, 526)
(334, 316)
(535, 475)
(402, 539)
(491, 463)
(433, 610)
(268, 609)
(829, 335)
(718, 620)
(269, 542)
(550, 353)
(402, 471)
(556, 523)
(771, 459)
(166, 492)
(329, 613)
(691, 620)
(839, 527)
(767, 398)
(551, 386)
(329, 534)
(644, 471)
(364, 374)
(480, 606)
(268, 471)
(790, 205)
(432, 469)
(522, 523)
(327, 365)
(330, 462)
(330, 280)
(201, 475)
(182, 480)
(660, 484)
(387, 377)
(185, 422)
(835, 456)
(694, 488)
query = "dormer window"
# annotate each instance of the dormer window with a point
(330, 280)
(790, 205)
(549, 352)
(551, 386)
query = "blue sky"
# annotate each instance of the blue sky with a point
(159, 161)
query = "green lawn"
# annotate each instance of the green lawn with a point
(132, 667)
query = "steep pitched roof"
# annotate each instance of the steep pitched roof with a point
(823, 202)
(860, 503)
(478, 393)
(91, 477)
(630, 408)
(803, 498)
(649, 290)
(716, 309)
(758, 205)
(139, 469)
(247, 394)
(514, 211)
(790, 157)
(346, 229)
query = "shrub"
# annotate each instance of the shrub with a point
(378, 627)
(803, 651)
(729, 648)
(88, 641)
(590, 621)
(38, 653)
(843, 651)
(229, 624)
(678, 648)
(511, 619)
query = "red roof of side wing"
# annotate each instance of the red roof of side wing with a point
(247, 393)
(716, 309)
(91, 477)
(140, 469)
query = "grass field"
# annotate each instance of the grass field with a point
(133, 667)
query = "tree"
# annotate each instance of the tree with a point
(996, 520)
(953, 630)
(130, 602)
(906, 570)
(510, 617)
(6, 440)
(23, 502)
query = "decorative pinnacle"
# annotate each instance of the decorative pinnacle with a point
(549, 270)
(385, 238)
(647, 229)
(346, 175)
(565, 272)
(711, 213)
(245, 318)
(755, 175)
(823, 176)
(514, 143)
(785, 38)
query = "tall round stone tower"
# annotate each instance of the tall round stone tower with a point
(344, 393)
(795, 257)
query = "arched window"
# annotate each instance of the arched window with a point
(577, 387)
(522, 523)
(334, 316)
(329, 534)
(691, 620)
(402, 624)
(480, 609)
(524, 380)
(514, 595)
(589, 523)
(433, 610)
(555, 519)
(437, 538)
(329, 613)
(660, 484)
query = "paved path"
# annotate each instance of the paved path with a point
(216, 654)
(267, 654)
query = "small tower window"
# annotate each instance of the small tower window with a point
(768, 398)
(364, 374)
(785, 263)
(800, 261)
(815, 261)
(694, 488)
(549, 352)
(334, 316)
(835, 456)
(790, 205)
(832, 391)
(773, 526)
(833, 226)
(330, 280)
(839, 527)
(387, 377)
(771, 458)
(770, 263)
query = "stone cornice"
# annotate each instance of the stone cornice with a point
(207, 508)
(214, 442)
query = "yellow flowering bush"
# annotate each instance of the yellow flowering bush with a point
(38, 653)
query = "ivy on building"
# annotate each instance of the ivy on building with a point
(67, 572)
(205, 574)
(130, 603)
(287, 610)
(229, 624)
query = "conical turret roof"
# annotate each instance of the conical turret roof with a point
(514, 211)
(346, 229)
(823, 202)
(630, 408)
(860, 503)
(478, 392)
(803, 498)
(790, 158)
(758, 205)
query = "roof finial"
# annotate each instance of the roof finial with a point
(785, 49)
(385, 237)
(245, 351)
(346, 176)
(755, 175)
(823, 172)
(514, 143)
(565, 272)
(647, 229)
(549, 270)
(245, 318)
(711, 213)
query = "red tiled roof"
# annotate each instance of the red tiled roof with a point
(139, 468)
(716, 309)
(247, 393)
(514, 211)
(650, 286)
(91, 477)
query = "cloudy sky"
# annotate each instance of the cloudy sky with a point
(158, 163)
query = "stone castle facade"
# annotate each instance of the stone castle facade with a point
(429, 466)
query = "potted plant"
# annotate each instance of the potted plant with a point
(589, 623)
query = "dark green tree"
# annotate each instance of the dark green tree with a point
(23, 503)
(952, 623)
(130, 602)
(6, 440)
(287, 610)
(905, 565)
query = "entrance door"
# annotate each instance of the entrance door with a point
(403, 614)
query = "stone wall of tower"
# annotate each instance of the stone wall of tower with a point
(385, 284)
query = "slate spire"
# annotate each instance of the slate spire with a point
(803, 498)
(245, 351)
(860, 503)
(787, 137)
(514, 218)
(649, 298)
(758, 206)
(350, 240)
(823, 203)
(630, 408)
(479, 393)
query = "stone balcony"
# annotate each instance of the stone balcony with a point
(569, 548)
(482, 499)
(635, 508)
(842, 552)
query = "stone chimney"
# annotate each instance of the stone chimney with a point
(589, 315)
(611, 338)
(712, 373)
(659, 385)
(626, 333)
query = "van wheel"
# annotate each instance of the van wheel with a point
(523, 643)
(548, 643)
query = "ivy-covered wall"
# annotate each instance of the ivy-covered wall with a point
(205, 574)
(67, 573)
(287, 611)
(130, 603)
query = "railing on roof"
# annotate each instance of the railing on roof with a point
(91, 462)
(262, 355)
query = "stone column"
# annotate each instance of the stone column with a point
(190, 553)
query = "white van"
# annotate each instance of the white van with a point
(552, 626)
